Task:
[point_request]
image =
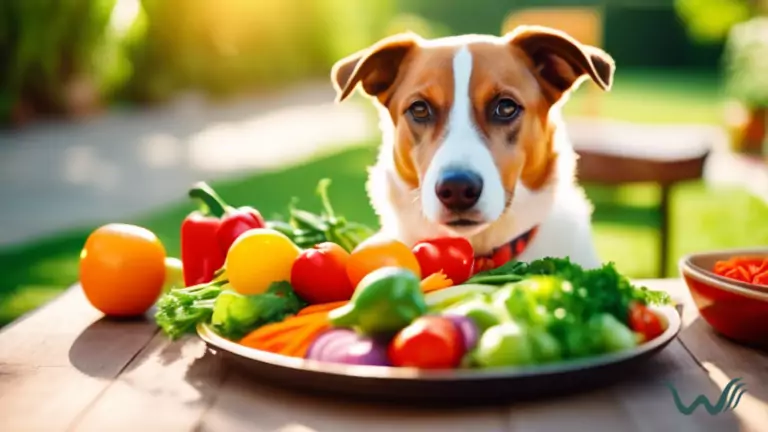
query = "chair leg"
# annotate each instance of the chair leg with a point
(664, 230)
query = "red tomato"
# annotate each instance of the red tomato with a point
(642, 320)
(429, 342)
(319, 275)
(453, 255)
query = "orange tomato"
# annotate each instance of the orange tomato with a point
(122, 269)
(378, 252)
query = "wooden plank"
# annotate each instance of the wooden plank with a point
(56, 361)
(246, 405)
(43, 398)
(650, 405)
(722, 360)
(641, 403)
(592, 411)
(69, 332)
(167, 386)
(725, 360)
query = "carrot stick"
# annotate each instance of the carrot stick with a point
(294, 342)
(303, 338)
(722, 266)
(273, 346)
(435, 281)
(760, 268)
(321, 307)
(290, 335)
(761, 279)
(744, 272)
(273, 329)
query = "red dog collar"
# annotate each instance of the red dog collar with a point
(505, 253)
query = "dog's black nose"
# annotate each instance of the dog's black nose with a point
(459, 190)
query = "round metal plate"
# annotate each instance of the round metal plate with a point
(444, 386)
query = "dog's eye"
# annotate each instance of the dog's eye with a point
(506, 110)
(420, 111)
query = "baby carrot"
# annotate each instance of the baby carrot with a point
(435, 281)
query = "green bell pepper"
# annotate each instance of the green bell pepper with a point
(384, 302)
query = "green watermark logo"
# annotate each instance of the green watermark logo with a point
(728, 401)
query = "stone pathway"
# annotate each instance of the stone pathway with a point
(63, 175)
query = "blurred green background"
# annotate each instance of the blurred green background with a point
(145, 51)
(678, 62)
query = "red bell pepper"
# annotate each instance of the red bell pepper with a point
(201, 254)
(453, 255)
(207, 234)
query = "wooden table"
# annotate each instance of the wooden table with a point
(65, 368)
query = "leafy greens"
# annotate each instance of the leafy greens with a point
(232, 315)
(571, 303)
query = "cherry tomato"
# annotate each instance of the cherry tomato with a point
(453, 255)
(429, 342)
(378, 252)
(319, 274)
(642, 320)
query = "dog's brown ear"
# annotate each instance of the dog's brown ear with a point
(561, 61)
(375, 67)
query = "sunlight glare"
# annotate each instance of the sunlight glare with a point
(123, 15)
(750, 410)
(278, 138)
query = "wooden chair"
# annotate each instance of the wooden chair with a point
(615, 153)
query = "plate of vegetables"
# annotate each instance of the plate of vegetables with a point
(345, 312)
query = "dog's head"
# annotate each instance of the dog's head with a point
(470, 114)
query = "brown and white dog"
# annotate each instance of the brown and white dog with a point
(473, 144)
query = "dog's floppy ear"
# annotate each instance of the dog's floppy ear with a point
(374, 67)
(561, 61)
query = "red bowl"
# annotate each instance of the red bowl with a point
(737, 310)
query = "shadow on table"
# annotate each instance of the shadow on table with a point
(244, 398)
(727, 358)
(109, 346)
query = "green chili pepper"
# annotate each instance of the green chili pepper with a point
(309, 240)
(385, 301)
(306, 220)
(282, 227)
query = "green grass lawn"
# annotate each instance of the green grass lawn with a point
(626, 221)
(648, 96)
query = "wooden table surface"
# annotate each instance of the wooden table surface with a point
(63, 367)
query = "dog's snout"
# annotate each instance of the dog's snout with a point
(459, 190)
